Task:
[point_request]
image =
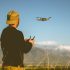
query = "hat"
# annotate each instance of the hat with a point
(12, 17)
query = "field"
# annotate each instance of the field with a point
(45, 68)
(48, 68)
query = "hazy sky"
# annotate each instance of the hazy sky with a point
(56, 29)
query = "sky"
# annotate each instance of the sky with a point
(56, 29)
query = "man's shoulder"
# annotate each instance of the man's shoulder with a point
(12, 30)
(5, 29)
(20, 32)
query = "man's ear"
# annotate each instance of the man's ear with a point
(18, 23)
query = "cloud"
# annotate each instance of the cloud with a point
(66, 47)
(53, 44)
(46, 43)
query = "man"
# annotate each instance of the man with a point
(13, 44)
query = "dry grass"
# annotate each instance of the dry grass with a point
(45, 68)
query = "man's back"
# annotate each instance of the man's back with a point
(12, 47)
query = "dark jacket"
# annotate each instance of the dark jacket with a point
(13, 46)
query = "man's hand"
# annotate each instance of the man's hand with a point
(31, 41)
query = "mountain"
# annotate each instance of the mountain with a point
(46, 54)
(35, 56)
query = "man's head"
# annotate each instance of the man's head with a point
(13, 19)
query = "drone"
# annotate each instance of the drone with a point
(42, 18)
